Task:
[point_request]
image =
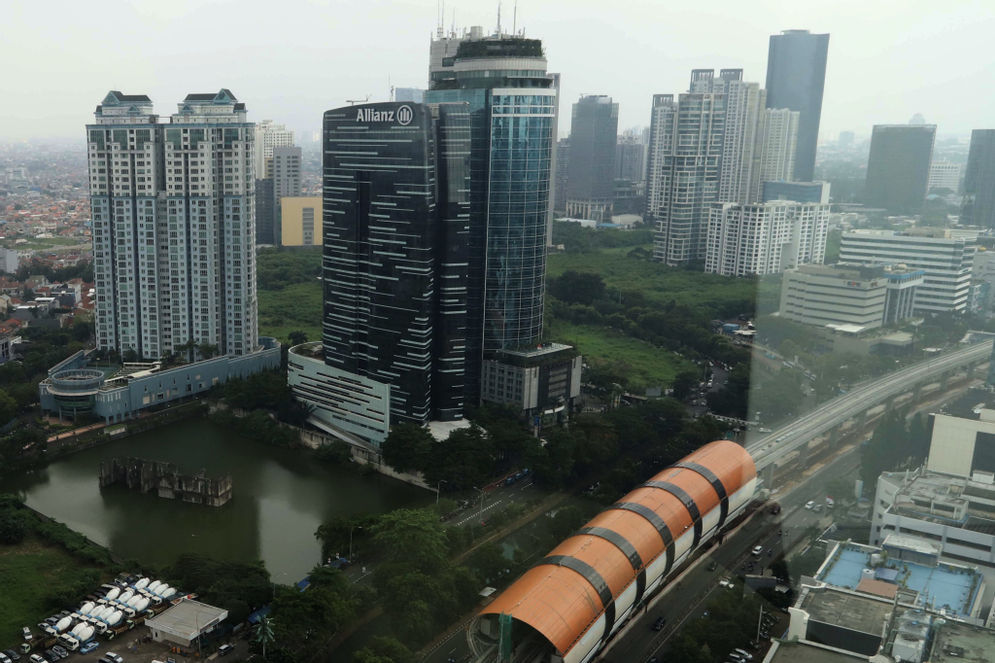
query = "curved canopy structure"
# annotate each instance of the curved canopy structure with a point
(589, 584)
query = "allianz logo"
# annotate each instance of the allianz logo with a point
(402, 116)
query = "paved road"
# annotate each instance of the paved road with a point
(768, 449)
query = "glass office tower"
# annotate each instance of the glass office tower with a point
(395, 228)
(512, 104)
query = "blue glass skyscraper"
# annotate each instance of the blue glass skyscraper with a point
(512, 102)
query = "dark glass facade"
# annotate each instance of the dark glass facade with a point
(265, 228)
(513, 113)
(796, 76)
(593, 135)
(898, 167)
(979, 180)
(395, 230)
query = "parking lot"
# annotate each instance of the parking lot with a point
(136, 646)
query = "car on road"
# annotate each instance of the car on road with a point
(60, 651)
(659, 623)
(224, 650)
(4, 658)
(12, 655)
(112, 657)
(725, 582)
(817, 508)
(713, 565)
(745, 654)
(26, 632)
(35, 658)
(809, 505)
(89, 647)
(757, 551)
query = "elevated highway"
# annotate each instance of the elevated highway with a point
(769, 449)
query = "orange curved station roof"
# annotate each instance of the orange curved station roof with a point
(562, 596)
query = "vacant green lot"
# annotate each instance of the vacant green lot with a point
(644, 364)
(722, 294)
(29, 574)
(296, 307)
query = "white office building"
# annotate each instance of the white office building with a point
(944, 174)
(951, 501)
(268, 137)
(765, 238)
(857, 296)
(173, 215)
(946, 261)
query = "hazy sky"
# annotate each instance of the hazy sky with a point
(290, 60)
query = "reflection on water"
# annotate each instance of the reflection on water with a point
(279, 499)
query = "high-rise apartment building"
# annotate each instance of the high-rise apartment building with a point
(173, 225)
(800, 192)
(512, 103)
(765, 238)
(284, 169)
(591, 173)
(778, 143)
(740, 131)
(630, 158)
(268, 137)
(898, 167)
(946, 260)
(396, 225)
(796, 76)
(685, 154)
(979, 180)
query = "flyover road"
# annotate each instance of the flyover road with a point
(769, 449)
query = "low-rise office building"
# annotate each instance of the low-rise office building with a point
(946, 259)
(300, 221)
(539, 382)
(116, 393)
(843, 294)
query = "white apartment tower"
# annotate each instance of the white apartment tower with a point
(268, 137)
(716, 143)
(744, 112)
(173, 215)
(778, 139)
(765, 238)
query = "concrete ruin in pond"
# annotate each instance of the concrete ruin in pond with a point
(166, 480)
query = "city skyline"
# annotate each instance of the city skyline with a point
(64, 68)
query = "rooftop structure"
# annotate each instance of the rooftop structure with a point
(937, 586)
(956, 642)
(185, 622)
(569, 603)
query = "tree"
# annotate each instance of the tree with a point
(577, 287)
(264, 633)
(384, 649)
(684, 383)
(297, 337)
(407, 447)
(8, 407)
(412, 536)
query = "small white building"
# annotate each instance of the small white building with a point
(185, 622)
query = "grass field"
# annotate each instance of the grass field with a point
(295, 307)
(27, 571)
(724, 295)
(646, 365)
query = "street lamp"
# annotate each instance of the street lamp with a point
(437, 487)
(480, 513)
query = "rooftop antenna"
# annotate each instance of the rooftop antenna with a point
(514, 19)
(358, 101)
(390, 88)
(499, 19)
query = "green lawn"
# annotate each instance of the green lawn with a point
(722, 294)
(645, 365)
(28, 574)
(297, 306)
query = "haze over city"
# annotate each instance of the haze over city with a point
(294, 60)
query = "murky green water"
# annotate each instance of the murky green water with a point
(280, 498)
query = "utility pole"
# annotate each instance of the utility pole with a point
(760, 621)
